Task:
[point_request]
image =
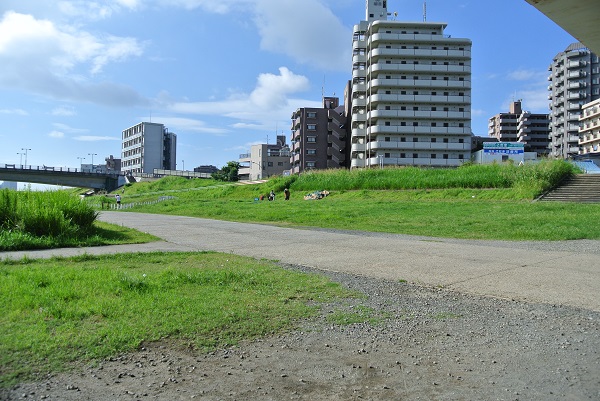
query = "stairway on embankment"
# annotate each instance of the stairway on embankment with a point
(584, 188)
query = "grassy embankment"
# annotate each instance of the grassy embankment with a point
(58, 311)
(52, 219)
(474, 201)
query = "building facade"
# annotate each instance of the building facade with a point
(411, 93)
(265, 160)
(574, 81)
(148, 146)
(520, 126)
(589, 130)
(319, 137)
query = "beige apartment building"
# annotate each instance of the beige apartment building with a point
(411, 93)
(589, 129)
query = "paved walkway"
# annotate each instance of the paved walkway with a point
(564, 273)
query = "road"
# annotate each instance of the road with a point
(564, 272)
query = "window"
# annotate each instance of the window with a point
(403, 155)
(403, 123)
(433, 140)
(387, 155)
(280, 163)
(461, 140)
(415, 124)
(445, 140)
(387, 138)
(387, 107)
(311, 114)
(311, 164)
(461, 157)
(402, 139)
(434, 108)
(433, 125)
(402, 107)
(311, 139)
(415, 139)
(311, 151)
(270, 164)
(415, 155)
(433, 155)
(387, 124)
(445, 156)
(311, 127)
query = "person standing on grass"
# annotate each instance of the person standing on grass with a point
(286, 193)
(118, 198)
(272, 196)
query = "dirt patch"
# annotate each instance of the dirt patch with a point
(419, 344)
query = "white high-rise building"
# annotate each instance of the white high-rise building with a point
(148, 146)
(411, 93)
(574, 81)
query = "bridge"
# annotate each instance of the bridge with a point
(64, 176)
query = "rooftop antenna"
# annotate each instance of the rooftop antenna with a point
(425, 11)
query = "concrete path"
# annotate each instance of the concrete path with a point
(563, 273)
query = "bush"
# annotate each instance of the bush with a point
(45, 213)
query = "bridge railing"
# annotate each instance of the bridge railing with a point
(59, 169)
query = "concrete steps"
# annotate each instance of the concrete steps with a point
(583, 188)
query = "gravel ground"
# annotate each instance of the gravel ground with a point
(423, 344)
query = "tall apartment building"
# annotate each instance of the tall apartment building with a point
(265, 160)
(589, 130)
(148, 146)
(574, 81)
(521, 126)
(319, 137)
(411, 93)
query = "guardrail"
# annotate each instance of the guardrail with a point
(56, 169)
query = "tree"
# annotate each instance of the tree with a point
(228, 172)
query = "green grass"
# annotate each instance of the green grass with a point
(486, 202)
(58, 311)
(99, 234)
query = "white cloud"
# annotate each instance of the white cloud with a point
(91, 138)
(527, 75)
(64, 111)
(304, 30)
(43, 58)
(270, 97)
(266, 108)
(18, 112)
(56, 134)
(177, 125)
(68, 129)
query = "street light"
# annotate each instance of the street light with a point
(183, 165)
(21, 160)
(25, 149)
(81, 162)
(92, 154)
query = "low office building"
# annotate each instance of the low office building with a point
(148, 146)
(265, 160)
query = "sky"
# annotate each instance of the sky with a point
(224, 74)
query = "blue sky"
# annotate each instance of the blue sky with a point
(224, 74)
